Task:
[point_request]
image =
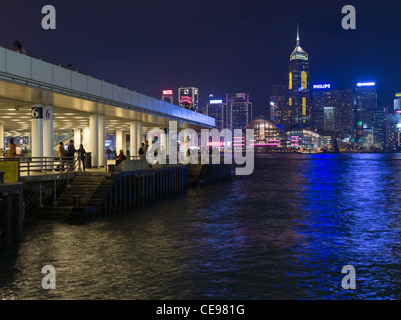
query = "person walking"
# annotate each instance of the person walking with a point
(12, 153)
(81, 156)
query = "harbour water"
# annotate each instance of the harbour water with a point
(284, 232)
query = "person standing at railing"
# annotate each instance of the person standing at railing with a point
(108, 152)
(62, 153)
(81, 156)
(12, 152)
(70, 153)
(142, 150)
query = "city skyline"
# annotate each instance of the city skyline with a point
(232, 47)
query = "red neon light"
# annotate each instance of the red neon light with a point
(186, 99)
(167, 92)
(215, 144)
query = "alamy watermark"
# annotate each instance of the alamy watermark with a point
(184, 147)
(49, 280)
(349, 281)
(349, 21)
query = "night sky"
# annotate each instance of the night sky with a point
(218, 46)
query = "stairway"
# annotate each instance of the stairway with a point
(103, 187)
(84, 185)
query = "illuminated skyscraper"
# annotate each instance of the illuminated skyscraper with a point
(298, 85)
(218, 110)
(397, 103)
(168, 96)
(333, 112)
(365, 104)
(239, 110)
(188, 98)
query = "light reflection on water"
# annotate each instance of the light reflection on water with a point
(283, 233)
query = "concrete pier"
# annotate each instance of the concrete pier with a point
(11, 212)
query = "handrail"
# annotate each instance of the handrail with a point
(32, 164)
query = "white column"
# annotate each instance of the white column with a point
(48, 132)
(102, 140)
(120, 141)
(2, 135)
(167, 141)
(37, 132)
(85, 138)
(139, 135)
(93, 139)
(133, 138)
(124, 146)
(77, 138)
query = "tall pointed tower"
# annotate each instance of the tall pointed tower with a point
(298, 85)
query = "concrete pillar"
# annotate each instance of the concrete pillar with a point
(77, 138)
(124, 147)
(167, 141)
(48, 132)
(164, 144)
(85, 138)
(93, 139)
(133, 138)
(2, 135)
(102, 140)
(139, 138)
(37, 132)
(121, 141)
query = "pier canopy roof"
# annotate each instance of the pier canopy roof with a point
(26, 81)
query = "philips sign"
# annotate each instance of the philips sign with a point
(322, 86)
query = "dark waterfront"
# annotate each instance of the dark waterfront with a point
(284, 232)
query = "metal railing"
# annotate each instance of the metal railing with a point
(29, 165)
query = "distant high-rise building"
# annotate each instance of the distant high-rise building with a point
(332, 112)
(239, 110)
(298, 80)
(280, 112)
(379, 127)
(397, 103)
(188, 97)
(168, 96)
(365, 104)
(218, 110)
